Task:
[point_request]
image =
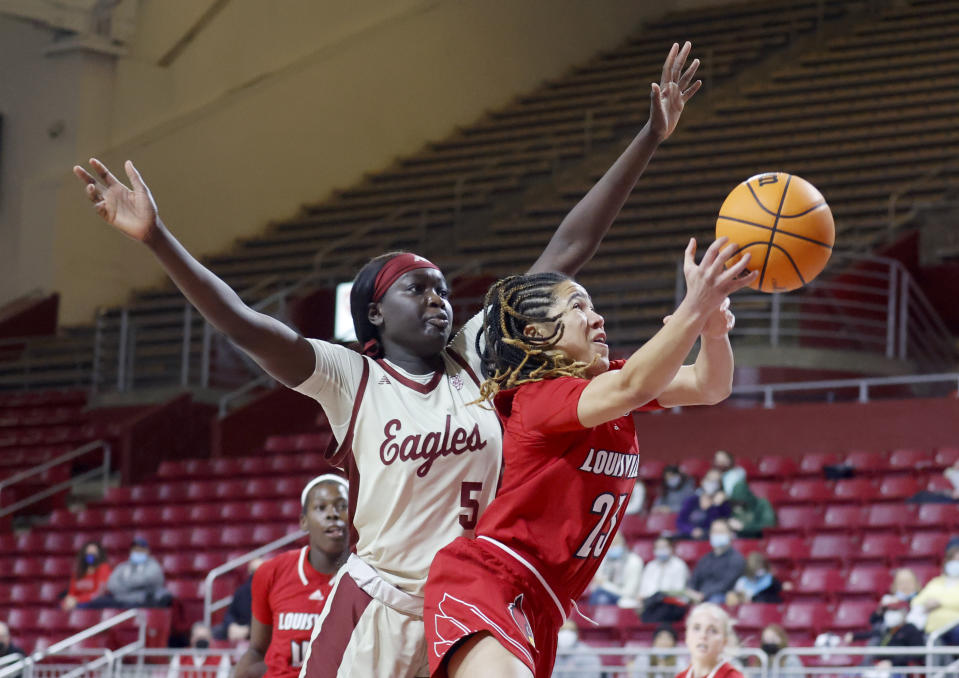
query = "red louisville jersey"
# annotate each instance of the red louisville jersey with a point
(564, 487)
(288, 594)
(724, 670)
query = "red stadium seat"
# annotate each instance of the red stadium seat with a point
(859, 490)
(237, 536)
(809, 492)
(238, 511)
(770, 490)
(867, 462)
(27, 567)
(804, 615)
(881, 546)
(25, 593)
(183, 589)
(836, 547)
(853, 614)
(174, 539)
(200, 490)
(280, 443)
(844, 518)
(117, 542)
(286, 464)
(928, 544)
(692, 551)
(253, 466)
(644, 549)
(812, 464)
(820, 582)
(77, 620)
(32, 542)
(939, 516)
(169, 492)
(225, 467)
(873, 580)
(924, 573)
(651, 469)
(946, 456)
(264, 534)
(941, 484)
(22, 619)
(776, 467)
(911, 460)
(289, 509)
(176, 514)
(54, 620)
(171, 470)
(898, 487)
(696, 467)
(884, 516)
(146, 517)
(786, 550)
(756, 616)
(312, 441)
(61, 543)
(231, 490)
(798, 518)
(288, 487)
(658, 523)
(204, 537)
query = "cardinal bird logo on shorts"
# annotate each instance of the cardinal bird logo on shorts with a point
(519, 618)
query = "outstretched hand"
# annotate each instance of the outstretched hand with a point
(719, 323)
(709, 283)
(675, 88)
(133, 212)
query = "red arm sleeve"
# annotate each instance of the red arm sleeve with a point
(262, 580)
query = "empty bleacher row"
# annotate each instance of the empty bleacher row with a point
(467, 175)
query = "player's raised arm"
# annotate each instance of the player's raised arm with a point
(578, 236)
(651, 369)
(279, 350)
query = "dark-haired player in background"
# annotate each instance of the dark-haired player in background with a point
(290, 590)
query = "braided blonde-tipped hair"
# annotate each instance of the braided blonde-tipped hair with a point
(509, 357)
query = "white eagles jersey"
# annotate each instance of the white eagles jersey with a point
(423, 457)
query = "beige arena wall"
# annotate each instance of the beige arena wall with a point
(269, 106)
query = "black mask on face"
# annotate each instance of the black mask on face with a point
(202, 644)
(770, 648)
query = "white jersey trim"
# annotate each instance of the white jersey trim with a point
(370, 581)
(299, 565)
(520, 559)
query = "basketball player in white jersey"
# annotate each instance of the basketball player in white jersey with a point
(422, 460)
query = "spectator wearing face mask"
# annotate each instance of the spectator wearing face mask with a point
(731, 475)
(716, 572)
(757, 585)
(903, 589)
(199, 664)
(616, 582)
(657, 665)
(774, 640)
(675, 489)
(90, 575)
(937, 605)
(701, 509)
(136, 582)
(662, 588)
(574, 658)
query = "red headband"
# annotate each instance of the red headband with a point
(396, 267)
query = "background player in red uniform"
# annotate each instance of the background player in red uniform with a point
(708, 631)
(494, 604)
(290, 590)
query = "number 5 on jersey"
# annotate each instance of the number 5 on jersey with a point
(596, 541)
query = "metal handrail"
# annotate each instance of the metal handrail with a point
(103, 470)
(27, 663)
(209, 605)
(863, 385)
(872, 650)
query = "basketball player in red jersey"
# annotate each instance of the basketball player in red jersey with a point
(422, 457)
(708, 631)
(494, 604)
(290, 590)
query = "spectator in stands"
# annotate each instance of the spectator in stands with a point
(701, 509)
(757, 584)
(235, 626)
(201, 664)
(750, 514)
(662, 588)
(936, 607)
(637, 500)
(89, 578)
(574, 658)
(657, 665)
(716, 572)
(617, 580)
(708, 632)
(732, 475)
(136, 582)
(7, 647)
(928, 496)
(904, 587)
(772, 641)
(675, 489)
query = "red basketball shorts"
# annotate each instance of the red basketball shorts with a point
(473, 587)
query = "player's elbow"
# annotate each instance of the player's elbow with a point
(713, 394)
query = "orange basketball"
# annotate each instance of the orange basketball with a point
(785, 223)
